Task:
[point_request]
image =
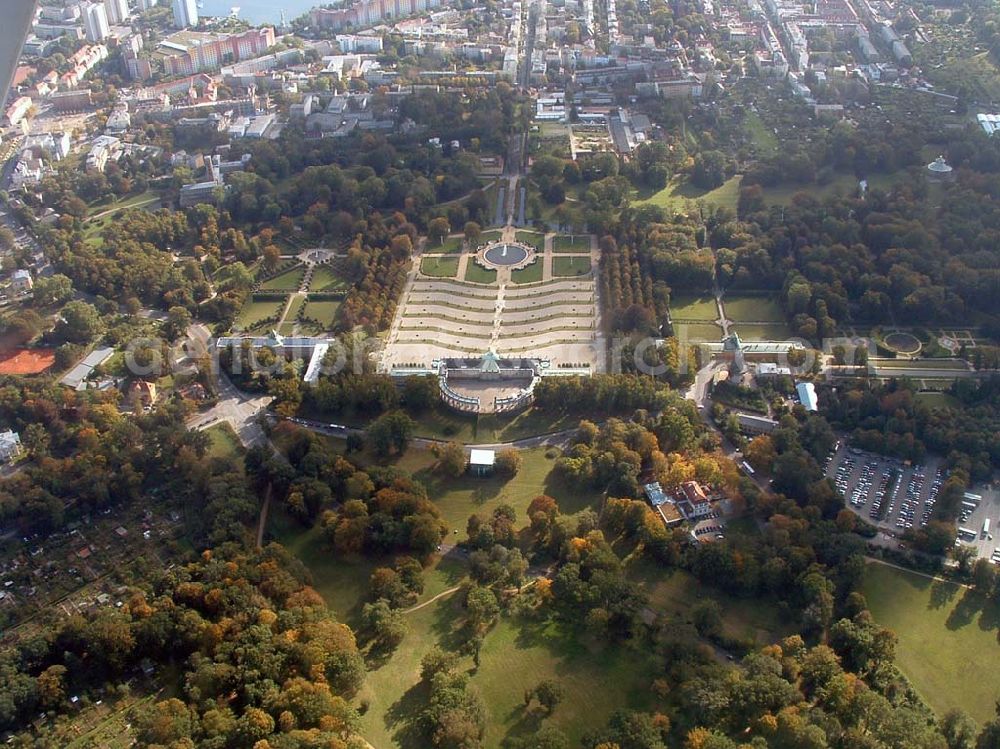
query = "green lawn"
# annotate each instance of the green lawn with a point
(694, 332)
(672, 593)
(570, 266)
(947, 638)
(447, 245)
(532, 238)
(574, 243)
(290, 280)
(531, 274)
(845, 184)
(764, 140)
(253, 313)
(475, 273)
(224, 442)
(938, 400)
(680, 194)
(298, 302)
(464, 496)
(324, 278)
(683, 307)
(765, 332)
(753, 308)
(439, 267)
(324, 312)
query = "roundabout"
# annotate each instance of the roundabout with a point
(507, 255)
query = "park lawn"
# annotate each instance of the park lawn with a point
(253, 313)
(571, 243)
(597, 678)
(679, 194)
(570, 266)
(673, 593)
(458, 498)
(475, 273)
(324, 312)
(447, 245)
(292, 315)
(698, 332)
(922, 364)
(766, 332)
(753, 309)
(764, 140)
(947, 638)
(324, 278)
(439, 267)
(845, 184)
(938, 400)
(531, 274)
(532, 238)
(683, 307)
(490, 235)
(223, 442)
(290, 280)
(516, 655)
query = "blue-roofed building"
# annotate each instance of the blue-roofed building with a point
(807, 396)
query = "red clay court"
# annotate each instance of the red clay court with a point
(24, 361)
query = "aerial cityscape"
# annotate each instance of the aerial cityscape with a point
(512, 374)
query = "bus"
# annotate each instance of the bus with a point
(986, 528)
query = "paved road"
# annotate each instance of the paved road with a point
(238, 410)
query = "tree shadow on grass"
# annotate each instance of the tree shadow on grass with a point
(942, 593)
(403, 718)
(448, 624)
(523, 721)
(965, 611)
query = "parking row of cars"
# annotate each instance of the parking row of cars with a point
(888, 487)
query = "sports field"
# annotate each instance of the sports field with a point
(25, 361)
(947, 638)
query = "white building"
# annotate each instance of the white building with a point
(95, 22)
(145, 5)
(807, 396)
(185, 13)
(10, 445)
(117, 11)
(20, 281)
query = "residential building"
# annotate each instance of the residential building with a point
(105, 148)
(95, 22)
(145, 5)
(71, 101)
(117, 11)
(27, 171)
(369, 12)
(185, 14)
(141, 394)
(753, 425)
(211, 52)
(20, 281)
(17, 111)
(10, 445)
(54, 145)
(692, 500)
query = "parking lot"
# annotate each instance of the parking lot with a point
(981, 503)
(885, 491)
(897, 497)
